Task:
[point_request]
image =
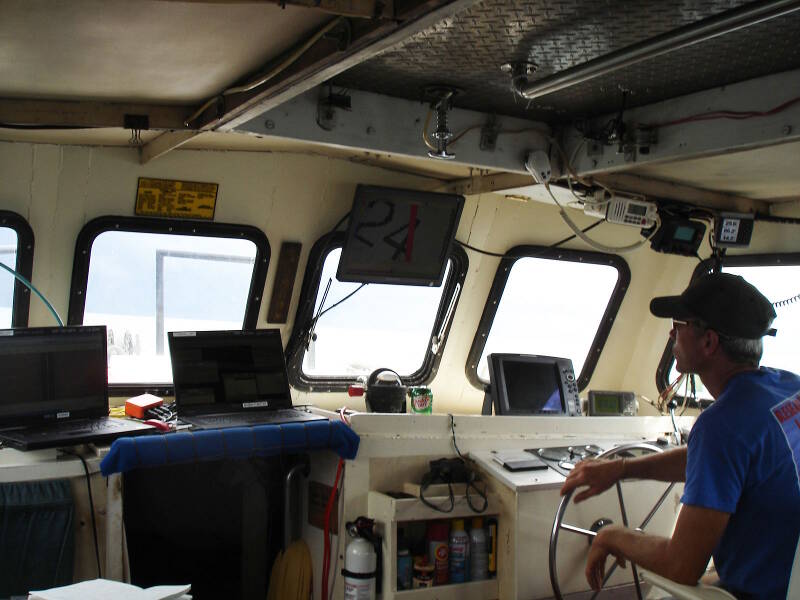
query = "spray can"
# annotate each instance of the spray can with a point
(459, 552)
(479, 556)
(438, 551)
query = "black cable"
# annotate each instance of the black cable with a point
(550, 247)
(786, 302)
(332, 306)
(453, 431)
(91, 509)
(342, 220)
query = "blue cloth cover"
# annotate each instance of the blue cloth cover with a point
(237, 442)
(741, 460)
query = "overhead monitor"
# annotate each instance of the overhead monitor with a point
(399, 236)
(528, 384)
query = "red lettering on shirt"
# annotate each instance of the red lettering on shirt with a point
(784, 413)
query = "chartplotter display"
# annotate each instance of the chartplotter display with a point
(527, 384)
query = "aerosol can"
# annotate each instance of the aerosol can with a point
(361, 560)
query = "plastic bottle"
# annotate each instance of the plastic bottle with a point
(478, 551)
(459, 552)
(438, 551)
(492, 545)
(404, 567)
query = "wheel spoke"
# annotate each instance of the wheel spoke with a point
(622, 505)
(558, 523)
(605, 580)
(636, 581)
(657, 506)
(580, 530)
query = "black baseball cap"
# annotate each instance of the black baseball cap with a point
(726, 303)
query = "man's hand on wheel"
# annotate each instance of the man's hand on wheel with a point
(597, 474)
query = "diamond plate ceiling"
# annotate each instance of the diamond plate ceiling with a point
(467, 50)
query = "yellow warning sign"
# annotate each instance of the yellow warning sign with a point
(176, 199)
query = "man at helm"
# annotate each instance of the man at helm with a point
(741, 499)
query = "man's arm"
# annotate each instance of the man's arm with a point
(683, 558)
(599, 475)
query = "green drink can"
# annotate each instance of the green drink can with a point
(421, 400)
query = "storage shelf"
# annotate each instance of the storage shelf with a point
(389, 511)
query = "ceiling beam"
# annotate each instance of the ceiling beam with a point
(367, 9)
(389, 125)
(325, 58)
(164, 143)
(767, 110)
(78, 114)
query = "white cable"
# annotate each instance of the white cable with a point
(597, 245)
(264, 78)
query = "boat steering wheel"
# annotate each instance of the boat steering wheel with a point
(559, 524)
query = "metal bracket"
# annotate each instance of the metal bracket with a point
(326, 108)
(489, 133)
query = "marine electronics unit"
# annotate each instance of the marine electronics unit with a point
(527, 384)
(399, 236)
(612, 404)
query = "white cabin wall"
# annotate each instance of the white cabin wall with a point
(299, 197)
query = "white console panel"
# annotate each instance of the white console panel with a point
(396, 449)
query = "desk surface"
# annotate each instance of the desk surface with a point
(37, 465)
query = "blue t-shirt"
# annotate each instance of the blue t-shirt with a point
(743, 459)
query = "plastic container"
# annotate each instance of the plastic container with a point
(404, 575)
(492, 533)
(459, 552)
(423, 573)
(478, 551)
(438, 551)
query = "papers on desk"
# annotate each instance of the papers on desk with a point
(103, 589)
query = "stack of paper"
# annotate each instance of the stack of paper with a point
(103, 589)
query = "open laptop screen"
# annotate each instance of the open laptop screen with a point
(52, 373)
(228, 370)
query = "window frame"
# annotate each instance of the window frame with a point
(20, 307)
(305, 308)
(99, 225)
(734, 260)
(546, 252)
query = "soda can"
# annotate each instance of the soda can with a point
(421, 400)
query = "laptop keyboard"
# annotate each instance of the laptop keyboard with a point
(73, 428)
(285, 415)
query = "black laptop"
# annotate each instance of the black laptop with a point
(54, 389)
(232, 379)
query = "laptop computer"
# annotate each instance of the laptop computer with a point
(55, 389)
(232, 379)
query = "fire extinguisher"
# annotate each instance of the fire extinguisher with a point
(361, 560)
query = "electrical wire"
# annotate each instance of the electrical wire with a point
(787, 302)
(726, 114)
(326, 555)
(287, 62)
(31, 287)
(550, 247)
(91, 509)
(332, 306)
(340, 528)
(594, 244)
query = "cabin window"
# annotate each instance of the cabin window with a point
(144, 278)
(777, 277)
(348, 330)
(16, 253)
(550, 302)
